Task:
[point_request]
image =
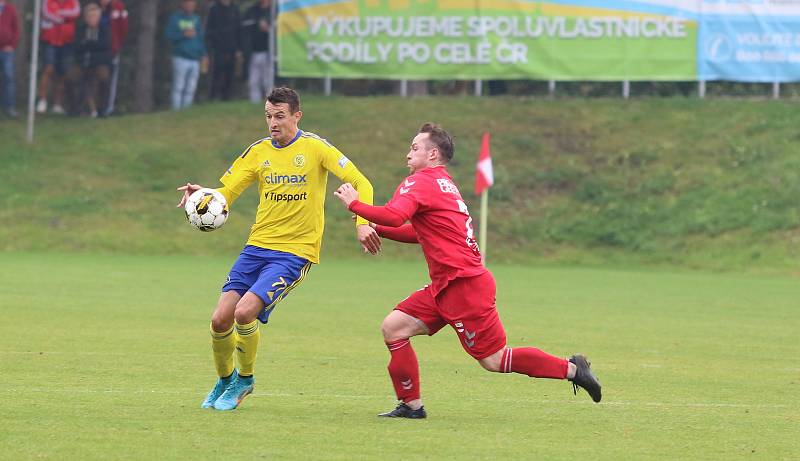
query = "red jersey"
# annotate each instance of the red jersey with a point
(441, 220)
(58, 21)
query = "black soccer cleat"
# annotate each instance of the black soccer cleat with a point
(585, 378)
(404, 411)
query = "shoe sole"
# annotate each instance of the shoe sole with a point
(245, 394)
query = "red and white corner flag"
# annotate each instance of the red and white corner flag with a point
(484, 178)
(484, 175)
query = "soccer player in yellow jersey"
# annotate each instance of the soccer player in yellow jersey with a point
(291, 168)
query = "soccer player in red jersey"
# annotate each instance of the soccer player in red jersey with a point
(462, 291)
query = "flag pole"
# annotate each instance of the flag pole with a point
(484, 220)
(37, 17)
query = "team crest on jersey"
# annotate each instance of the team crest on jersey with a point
(447, 186)
(299, 160)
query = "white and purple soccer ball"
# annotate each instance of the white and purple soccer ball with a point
(206, 209)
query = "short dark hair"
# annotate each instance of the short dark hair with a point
(287, 95)
(440, 138)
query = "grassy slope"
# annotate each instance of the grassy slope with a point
(711, 184)
(694, 366)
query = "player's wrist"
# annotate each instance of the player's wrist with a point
(352, 205)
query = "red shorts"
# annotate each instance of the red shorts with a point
(468, 306)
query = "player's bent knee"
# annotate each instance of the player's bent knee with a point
(248, 308)
(393, 331)
(389, 332)
(221, 322)
(493, 362)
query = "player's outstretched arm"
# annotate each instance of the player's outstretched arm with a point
(403, 234)
(187, 191)
(369, 239)
(377, 214)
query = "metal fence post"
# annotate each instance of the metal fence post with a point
(551, 89)
(328, 83)
(701, 89)
(776, 90)
(626, 89)
(478, 87)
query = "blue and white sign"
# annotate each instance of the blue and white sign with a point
(749, 40)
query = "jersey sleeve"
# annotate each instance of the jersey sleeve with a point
(239, 176)
(338, 164)
(404, 233)
(408, 197)
(377, 214)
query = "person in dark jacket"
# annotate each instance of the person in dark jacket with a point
(93, 55)
(256, 27)
(116, 16)
(223, 42)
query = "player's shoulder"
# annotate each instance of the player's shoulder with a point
(260, 144)
(314, 138)
(428, 175)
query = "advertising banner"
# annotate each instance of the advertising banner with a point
(749, 40)
(473, 39)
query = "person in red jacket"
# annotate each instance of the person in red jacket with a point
(58, 34)
(9, 38)
(115, 16)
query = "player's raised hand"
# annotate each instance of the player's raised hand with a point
(187, 191)
(370, 241)
(346, 193)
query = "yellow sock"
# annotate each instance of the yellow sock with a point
(247, 346)
(222, 344)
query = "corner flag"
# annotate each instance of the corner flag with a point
(484, 178)
(484, 175)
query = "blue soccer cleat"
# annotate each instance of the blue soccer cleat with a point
(236, 391)
(219, 388)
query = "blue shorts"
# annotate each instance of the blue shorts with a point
(60, 57)
(269, 274)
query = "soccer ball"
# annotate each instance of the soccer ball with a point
(206, 209)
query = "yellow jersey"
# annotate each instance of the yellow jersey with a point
(292, 184)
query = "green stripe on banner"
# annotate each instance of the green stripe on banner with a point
(470, 39)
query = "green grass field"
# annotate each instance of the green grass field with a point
(107, 357)
(710, 184)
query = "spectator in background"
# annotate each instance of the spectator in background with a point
(9, 38)
(222, 39)
(256, 25)
(93, 52)
(188, 50)
(115, 18)
(58, 33)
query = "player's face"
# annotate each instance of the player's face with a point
(422, 153)
(281, 122)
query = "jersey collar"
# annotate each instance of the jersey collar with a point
(278, 146)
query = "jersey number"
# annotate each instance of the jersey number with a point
(470, 240)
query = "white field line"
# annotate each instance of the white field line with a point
(358, 397)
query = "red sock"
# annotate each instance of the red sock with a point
(404, 370)
(533, 362)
